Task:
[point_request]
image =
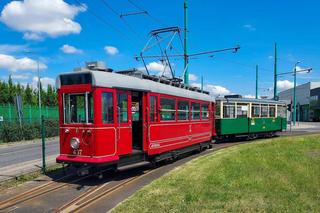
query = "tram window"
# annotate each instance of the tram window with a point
(122, 107)
(228, 111)
(75, 108)
(204, 111)
(282, 111)
(218, 110)
(168, 109)
(242, 110)
(272, 111)
(107, 107)
(264, 111)
(183, 110)
(153, 108)
(255, 111)
(195, 111)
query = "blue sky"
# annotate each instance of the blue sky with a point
(38, 29)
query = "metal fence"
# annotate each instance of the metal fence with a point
(29, 126)
(30, 114)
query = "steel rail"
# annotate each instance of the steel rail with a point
(92, 196)
(49, 187)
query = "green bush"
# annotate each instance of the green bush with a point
(10, 132)
(31, 131)
(52, 128)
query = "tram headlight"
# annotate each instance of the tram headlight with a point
(74, 143)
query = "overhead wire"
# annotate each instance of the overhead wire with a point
(106, 4)
(105, 22)
(158, 21)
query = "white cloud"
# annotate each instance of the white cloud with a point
(249, 27)
(20, 76)
(249, 96)
(284, 84)
(270, 57)
(14, 64)
(111, 50)
(193, 77)
(215, 90)
(68, 49)
(157, 68)
(12, 48)
(45, 81)
(37, 19)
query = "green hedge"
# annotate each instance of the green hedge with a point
(10, 132)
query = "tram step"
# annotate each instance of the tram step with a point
(135, 165)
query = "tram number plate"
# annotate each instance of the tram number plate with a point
(77, 152)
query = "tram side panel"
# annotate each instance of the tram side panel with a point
(175, 134)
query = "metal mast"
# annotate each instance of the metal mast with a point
(275, 73)
(186, 73)
(257, 70)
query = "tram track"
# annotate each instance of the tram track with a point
(97, 193)
(47, 188)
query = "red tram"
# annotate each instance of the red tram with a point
(122, 118)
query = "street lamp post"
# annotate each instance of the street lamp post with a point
(294, 88)
(294, 93)
(38, 84)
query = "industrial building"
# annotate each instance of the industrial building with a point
(307, 100)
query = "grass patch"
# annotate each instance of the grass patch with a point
(273, 175)
(28, 177)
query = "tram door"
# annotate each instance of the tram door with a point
(123, 123)
(137, 120)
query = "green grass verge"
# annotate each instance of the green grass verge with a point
(28, 177)
(273, 175)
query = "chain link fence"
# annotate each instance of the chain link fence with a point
(29, 126)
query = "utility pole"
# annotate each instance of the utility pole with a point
(275, 95)
(294, 94)
(39, 90)
(186, 73)
(201, 83)
(257, 70)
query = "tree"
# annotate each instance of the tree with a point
(11, 90)
(28, 95)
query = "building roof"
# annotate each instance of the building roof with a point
(116, 80)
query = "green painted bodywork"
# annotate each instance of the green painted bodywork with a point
(234, 126)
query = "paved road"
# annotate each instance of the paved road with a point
(16, 159)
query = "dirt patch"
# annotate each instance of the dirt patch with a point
(314, 153)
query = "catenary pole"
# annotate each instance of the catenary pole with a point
(186, 73)
(257, 76)
(275, 73)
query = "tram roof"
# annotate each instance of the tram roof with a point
(250, 100)
(121, 81)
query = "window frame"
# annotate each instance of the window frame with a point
(263, 106)
(252, 111)
(121, 92)
(113, 107)
(156, 109)
(191, 110)
(177, 106)
(86, 110)
(208, 111)
(241, 105)
(228, 104)
(172, 110)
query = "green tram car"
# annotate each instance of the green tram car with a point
(251, 118)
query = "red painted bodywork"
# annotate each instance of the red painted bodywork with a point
(103, 143)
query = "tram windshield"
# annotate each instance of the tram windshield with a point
(78, 108)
